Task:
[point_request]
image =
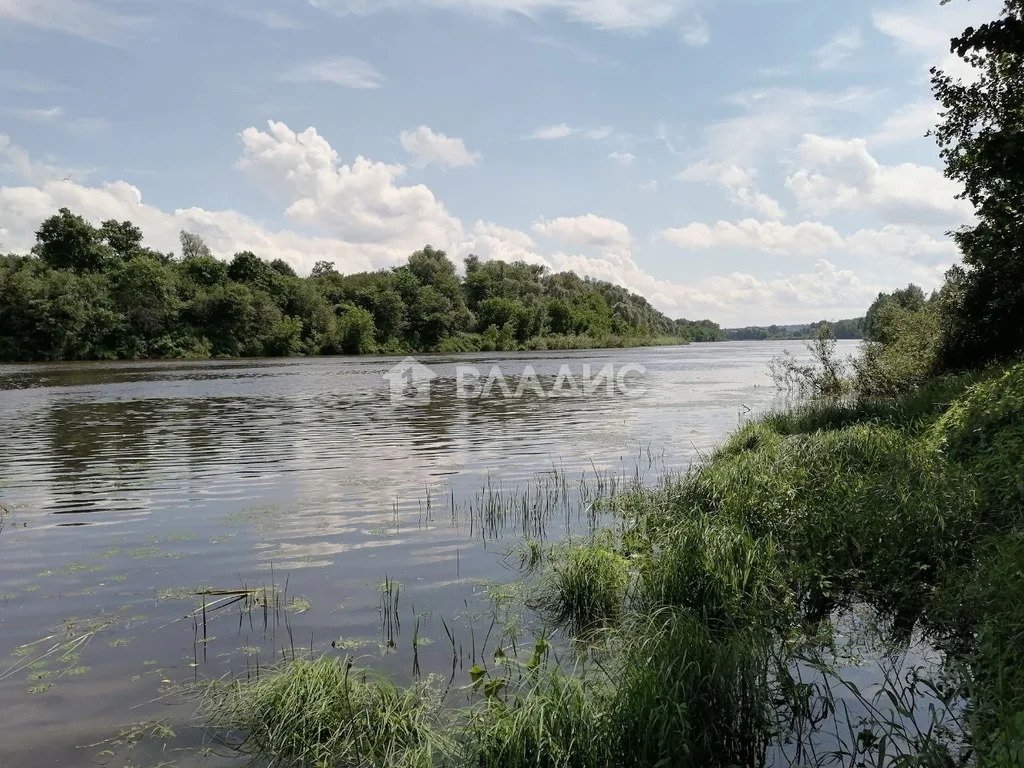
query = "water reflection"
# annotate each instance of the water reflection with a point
(129, 482)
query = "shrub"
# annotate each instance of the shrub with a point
(860, 511)
(984, 431)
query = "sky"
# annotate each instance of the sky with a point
(747, 161)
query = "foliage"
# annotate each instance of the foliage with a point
(902, 342)
(979, 138)
(984, 431)
(841, 329)
(90, 292)
(822, 376)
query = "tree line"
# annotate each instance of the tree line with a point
(88, 292)
(840, 329)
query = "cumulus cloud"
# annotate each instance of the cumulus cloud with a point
(429, 147)
(738, 298)
(910, 121)
(738, 182)
(366, 219)
(895, 241)
(625, 159)
(588, 229)
(361, 202)
(346, 71)
(841, 174)
(803, 239)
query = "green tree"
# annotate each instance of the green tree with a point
(356, 331)
(909, 299)
(145, 292)
(980, 137)
(67, 241)
(193, 246)
(123, 237)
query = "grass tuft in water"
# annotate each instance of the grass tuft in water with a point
(584, 585)
(326, 712)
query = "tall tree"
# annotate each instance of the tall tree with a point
(67, 241)
(982, 143)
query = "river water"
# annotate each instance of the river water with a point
(130, 489)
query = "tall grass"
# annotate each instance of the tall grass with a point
(326, 713)
(710, 593)
(585, 583)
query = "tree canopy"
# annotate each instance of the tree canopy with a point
(97, 292)
(981, 138)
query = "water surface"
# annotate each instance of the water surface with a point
(131, 486)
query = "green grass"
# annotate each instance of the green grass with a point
(325, 713)
(707, 592)
(584, 585)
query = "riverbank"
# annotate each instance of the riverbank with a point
(686, 628)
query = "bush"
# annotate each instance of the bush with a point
(984, 431)
(863, 511)
(907, 355)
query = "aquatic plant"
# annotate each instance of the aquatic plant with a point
(585, 583)
(327, 712)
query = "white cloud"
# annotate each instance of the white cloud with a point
(839, 48)
(95, 21)
(368, 221)
(737, 298)
(840, 174)
(18, 162)
(896, 241)
(695, 31)
(41, 115)
(492, 241)
(909, 122)
(804, 239)
(564, 130)
(769, 118)
(346, 71)
(585, 230)
(548, 132)
(923, 28)
(738, 182)
(625, 159)
(626, 15)
(429, 147)
(360, 202)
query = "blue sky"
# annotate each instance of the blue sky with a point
(751, 161)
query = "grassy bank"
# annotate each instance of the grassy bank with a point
(710, 625)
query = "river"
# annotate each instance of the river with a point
(130, 488)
